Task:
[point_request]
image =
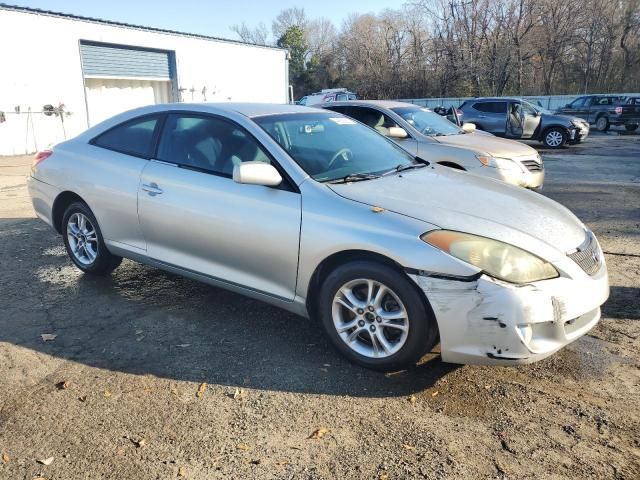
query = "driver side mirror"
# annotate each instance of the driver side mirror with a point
(397, 132)
(256, 173)
(468, 127)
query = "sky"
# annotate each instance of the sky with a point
(213, 17)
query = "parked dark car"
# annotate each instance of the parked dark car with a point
(604, 111)
(517, 118)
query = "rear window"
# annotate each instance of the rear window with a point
(491, 107)
(132, 138)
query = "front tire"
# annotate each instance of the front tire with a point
(631, 128)
(84, 243)
(375, 316)
(554, 137)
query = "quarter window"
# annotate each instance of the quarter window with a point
(132, 138)
(491, 107)
(207, 143)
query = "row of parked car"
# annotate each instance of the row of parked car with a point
(322, 213)
(519, 119)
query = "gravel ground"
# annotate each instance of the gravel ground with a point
(153, 376)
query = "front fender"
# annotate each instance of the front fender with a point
(332, 224)
(439, 153)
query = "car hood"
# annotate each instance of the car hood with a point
(560, 118)
(494, 146)
(463, 202)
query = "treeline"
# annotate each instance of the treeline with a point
(435, 48)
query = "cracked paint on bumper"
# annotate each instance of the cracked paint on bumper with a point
(487, 321)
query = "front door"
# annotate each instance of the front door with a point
(579, 107)
(530, 120)
(194, 216)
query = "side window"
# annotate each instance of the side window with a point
(491, 107)
(604, 101)
(373, 118)
(207, 143)
(578, 102)
(528, 110)
(134, 137)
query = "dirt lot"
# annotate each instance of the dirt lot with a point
(115, 394)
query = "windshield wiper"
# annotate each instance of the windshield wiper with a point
(355, 177)
(402, 167)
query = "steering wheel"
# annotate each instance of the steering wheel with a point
(345, 153)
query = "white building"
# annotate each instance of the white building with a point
(97, 68)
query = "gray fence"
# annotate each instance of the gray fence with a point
(550, 102)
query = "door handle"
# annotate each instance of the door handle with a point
(152, 189)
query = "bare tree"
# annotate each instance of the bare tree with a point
(290, 17)
(258, 35)
(467, 47)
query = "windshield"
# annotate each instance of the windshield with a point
(427, 122)
(330, 146)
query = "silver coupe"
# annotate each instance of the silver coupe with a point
(316, 213)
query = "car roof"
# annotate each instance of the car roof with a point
(372, 103)
(246, 109)
(250, 110)
(256, 109)
(495, 99)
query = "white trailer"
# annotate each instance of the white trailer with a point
(97, 68)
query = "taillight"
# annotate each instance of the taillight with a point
(40, 157)
(618, 110)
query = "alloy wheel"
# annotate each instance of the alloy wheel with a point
(370, 318)
(82, 238)
(554, 138)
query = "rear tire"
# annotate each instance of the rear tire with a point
(631, 128)
(84, 243)
(602, 123)
(375, 316)
(554, 137)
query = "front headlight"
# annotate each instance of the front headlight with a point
(495, 162)
(497, 259)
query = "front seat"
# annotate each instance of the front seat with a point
(380, 126)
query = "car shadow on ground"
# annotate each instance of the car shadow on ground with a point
(144, 321)
(623, 303)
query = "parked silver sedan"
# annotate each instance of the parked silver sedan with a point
(316, 213)
(434, 138)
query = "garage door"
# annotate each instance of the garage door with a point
(118, 78)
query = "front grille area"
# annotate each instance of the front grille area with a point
(588, 255)
(532, 165)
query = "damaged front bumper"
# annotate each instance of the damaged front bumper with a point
(487, 321)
